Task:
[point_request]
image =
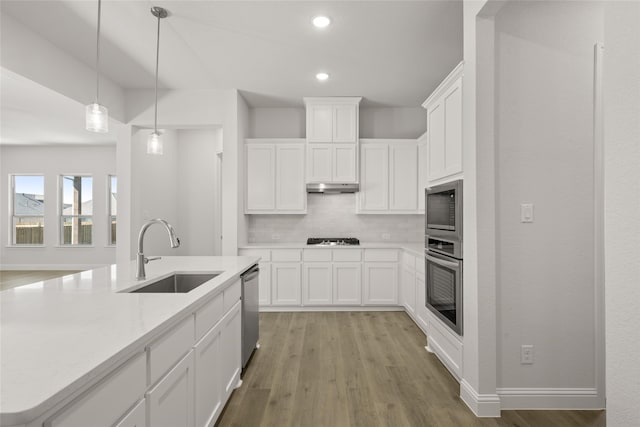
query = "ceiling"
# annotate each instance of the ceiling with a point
(392, 53)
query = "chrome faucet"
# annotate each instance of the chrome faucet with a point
(141, 259)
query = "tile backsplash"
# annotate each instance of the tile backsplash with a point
(333, 215)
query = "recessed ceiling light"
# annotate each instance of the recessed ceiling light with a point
(321, 21)
(322, 76)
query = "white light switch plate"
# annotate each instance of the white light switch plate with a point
(526, 212)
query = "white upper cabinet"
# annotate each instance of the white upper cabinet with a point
(275, 176)
(328, 163)
(444, 127)
(389, 179)
(332, 119)
(423, 166)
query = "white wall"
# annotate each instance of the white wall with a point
(545, 156)
(50, 161)
(197, 191)
(375, 122)
(333, 215)
(622, 201)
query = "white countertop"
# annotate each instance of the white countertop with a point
(59, 334)
(416, 249)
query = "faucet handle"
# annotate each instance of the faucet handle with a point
(146, 260)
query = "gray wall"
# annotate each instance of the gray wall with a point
(545, 156)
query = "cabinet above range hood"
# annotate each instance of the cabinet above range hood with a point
(333, 188)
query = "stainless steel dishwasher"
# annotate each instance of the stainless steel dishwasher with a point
(250, 320)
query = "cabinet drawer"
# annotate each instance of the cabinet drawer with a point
(280, 255)
(170, 348)
(347, 255)
(232, 295)
(264, 254)
(108, 401)
(385, 255)
(208, 315)
(317, 255)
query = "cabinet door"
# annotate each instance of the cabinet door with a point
(261, 165)
(423, 178)
(344, 163)
(453, 129)
(319, 123)
(421, 299)
(436, 129)
(171, 400)
(345, 123)
(137, 417)
(231, 344)
(347, 283)
(264, 284)
(285, 283)
(317, 283)
(409, 289)
(291, 193)
(380, 283)
(374, 177)
(208, 381)
(319, 162)
(403, 173)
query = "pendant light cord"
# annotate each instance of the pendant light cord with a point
(155, 120)
(98, 54)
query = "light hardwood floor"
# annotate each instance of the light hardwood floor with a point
(359, 369)
(13, 278)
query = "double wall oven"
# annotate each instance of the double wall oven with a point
(443, 253)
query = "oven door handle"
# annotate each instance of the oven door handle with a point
(442, 262)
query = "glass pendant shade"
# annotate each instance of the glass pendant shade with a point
(154, 143)
(97, 118)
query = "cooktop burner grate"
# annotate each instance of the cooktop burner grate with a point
(333, 241)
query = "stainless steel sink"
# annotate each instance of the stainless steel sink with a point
(177, 283)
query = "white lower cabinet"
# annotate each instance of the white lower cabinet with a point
(347, 283)
(422, 314)
(380, 283)
(264, 283)
(317, 283)
(285, 283)
(137, 417)
(409, 289)
(171, 399)
(208, 382)
(231, 342)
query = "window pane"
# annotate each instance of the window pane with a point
(77, 230)
(77, 195)
(113, 197)
(28, 198)
(28, 230)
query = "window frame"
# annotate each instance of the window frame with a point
(62, 216)
(111, 218)
(12, 203)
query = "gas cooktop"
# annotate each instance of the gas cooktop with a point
(333, 241)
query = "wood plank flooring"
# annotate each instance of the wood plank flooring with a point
(368, 369)
(13, 278)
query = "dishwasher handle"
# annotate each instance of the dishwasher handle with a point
(250, 274)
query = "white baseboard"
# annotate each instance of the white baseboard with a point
(482, 405)
(278, 309)
(83, 267)
(550, 398)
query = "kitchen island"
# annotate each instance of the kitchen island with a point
(81, 341)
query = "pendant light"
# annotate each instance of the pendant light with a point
(154, 142)
(96, 115)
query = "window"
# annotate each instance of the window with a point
(28, 209)
(113, 207)
(77, 209)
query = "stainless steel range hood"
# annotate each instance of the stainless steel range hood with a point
(333, 188)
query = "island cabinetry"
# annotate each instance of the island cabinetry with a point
(380, 277)
(170, 401)
(109, 400)
(275, 176)
(136, 417)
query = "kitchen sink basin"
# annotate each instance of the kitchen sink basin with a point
(177, 283)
